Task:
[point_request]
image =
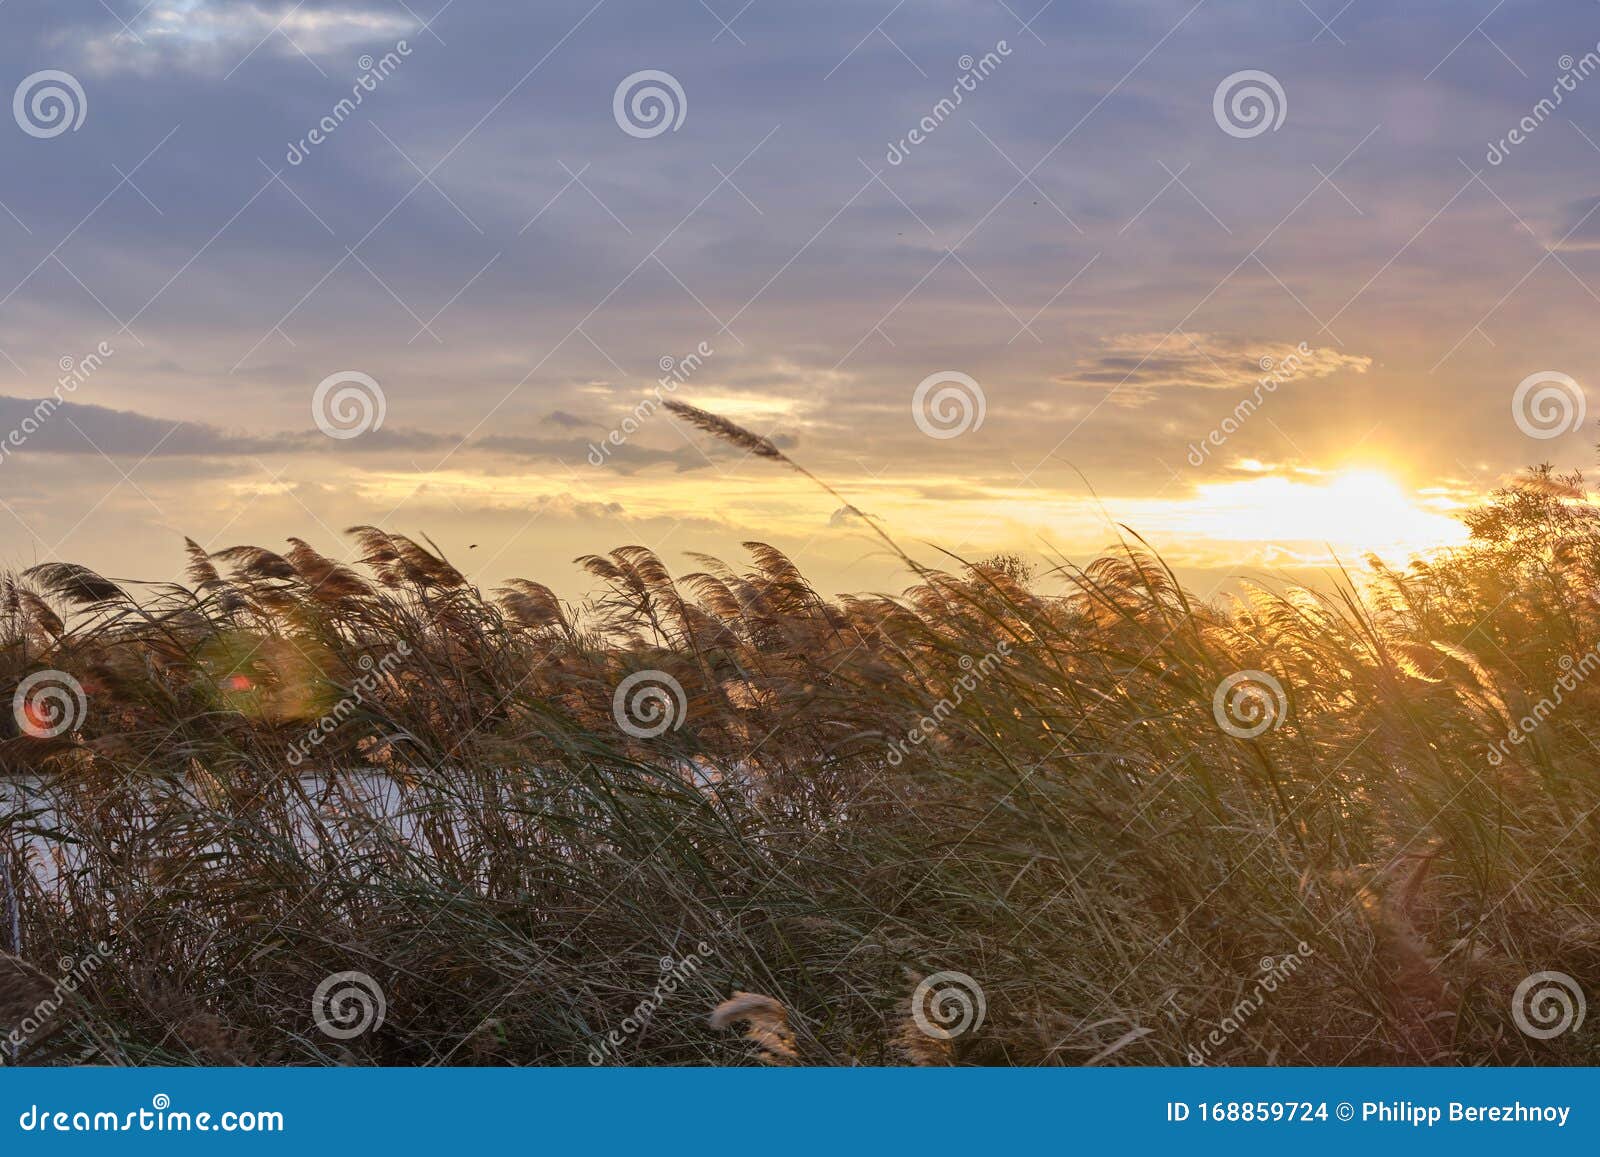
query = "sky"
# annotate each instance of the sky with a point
(1268, 283)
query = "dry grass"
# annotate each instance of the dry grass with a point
(1076, 833)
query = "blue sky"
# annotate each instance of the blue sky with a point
(1081, 237)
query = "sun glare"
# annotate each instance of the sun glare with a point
(1354, 512)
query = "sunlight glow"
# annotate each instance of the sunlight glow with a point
(1355, 512)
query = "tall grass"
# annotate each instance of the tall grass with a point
(1075, 830)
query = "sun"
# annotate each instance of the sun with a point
(1369, 486)
(1353, 512)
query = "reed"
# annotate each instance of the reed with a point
(1022, 779)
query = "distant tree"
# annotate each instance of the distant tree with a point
(1536, 513)
(1013, 566)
